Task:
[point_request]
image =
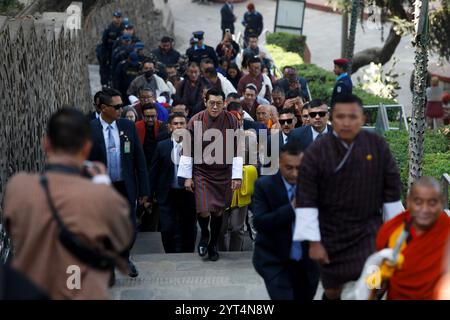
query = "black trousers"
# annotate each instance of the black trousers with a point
(120, 187)
(178, 221)
(297, 281)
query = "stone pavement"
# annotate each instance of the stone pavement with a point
(323, 31)
(186, 276)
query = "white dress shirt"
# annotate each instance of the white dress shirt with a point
(315, 133)
(176, 154)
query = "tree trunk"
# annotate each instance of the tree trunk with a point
(352, 33)
(416, 135)
(377, 55)
(344, 33)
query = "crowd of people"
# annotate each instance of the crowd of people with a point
(159, 135)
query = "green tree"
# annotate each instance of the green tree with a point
(401, 14)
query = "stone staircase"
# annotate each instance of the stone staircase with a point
(186, 276)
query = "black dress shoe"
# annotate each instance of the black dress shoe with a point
(133, 273)
(202, 248)
(213, 255)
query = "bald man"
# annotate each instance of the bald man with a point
(426, 229)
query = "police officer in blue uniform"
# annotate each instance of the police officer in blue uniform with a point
(104, 51)
(128, 29)
(200, 51)
(344, 83)
(126, 71)
(253, 23)
(121, 52)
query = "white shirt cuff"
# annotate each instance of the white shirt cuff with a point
(238, 167)
(306, 224)
(185, 167)
(392, 209)
(101, 179)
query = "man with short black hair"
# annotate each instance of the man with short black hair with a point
(116, 144)
(340, 212)
(259, 79)
(190, 90)
(218, 81)
(148, 79)
(165, 53)
(213, 180)
(88, 208)
(176, 205)
(305, 135)
(288, 272)
(278, 98)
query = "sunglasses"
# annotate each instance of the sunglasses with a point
(321, 114)
(149, 116)
(286, 121)
(117, 106)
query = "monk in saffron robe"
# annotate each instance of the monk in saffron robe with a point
(425, 248)
(213, 180)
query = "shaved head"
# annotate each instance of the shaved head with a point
(426, 182)
(425, 203)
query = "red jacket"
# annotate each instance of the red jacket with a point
(140, 128)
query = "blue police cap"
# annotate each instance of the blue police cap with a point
(126, 37)
(129, 26)
(133, 57)
(117, 14)
(198, 35)
(139, 45)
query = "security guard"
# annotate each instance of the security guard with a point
(110, 34)
(201, 51)
(121, 52)
(128, 29)
(253, 23)
(126, 71)
(344, 83)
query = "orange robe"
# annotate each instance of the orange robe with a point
(424, 258)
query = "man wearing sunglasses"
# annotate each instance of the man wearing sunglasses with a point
(116, 144)
(287, 122)
(318, 115)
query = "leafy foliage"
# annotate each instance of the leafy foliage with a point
(283, 58)
(289, 42)
(10, 7)
(436, 154)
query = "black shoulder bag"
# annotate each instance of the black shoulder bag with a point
(92, 257)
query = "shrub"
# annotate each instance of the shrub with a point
(283, 58)
(436, 154)
(288, 42)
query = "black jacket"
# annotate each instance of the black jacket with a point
(134, 169)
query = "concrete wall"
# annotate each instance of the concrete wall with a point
(42, 70)
(151, 18)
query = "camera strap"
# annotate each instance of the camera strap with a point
(92, 257)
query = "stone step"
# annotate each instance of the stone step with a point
(150, 242)
(186, 276)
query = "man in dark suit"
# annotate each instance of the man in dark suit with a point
(318, 113)
(176, 205)
(284, 265)
(116, 144)
(96, 113)
(228, 17)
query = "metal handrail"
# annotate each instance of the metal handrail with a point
(403, 120)
(445, 182)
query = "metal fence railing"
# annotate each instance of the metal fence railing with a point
(445, 182)
(387, 115)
